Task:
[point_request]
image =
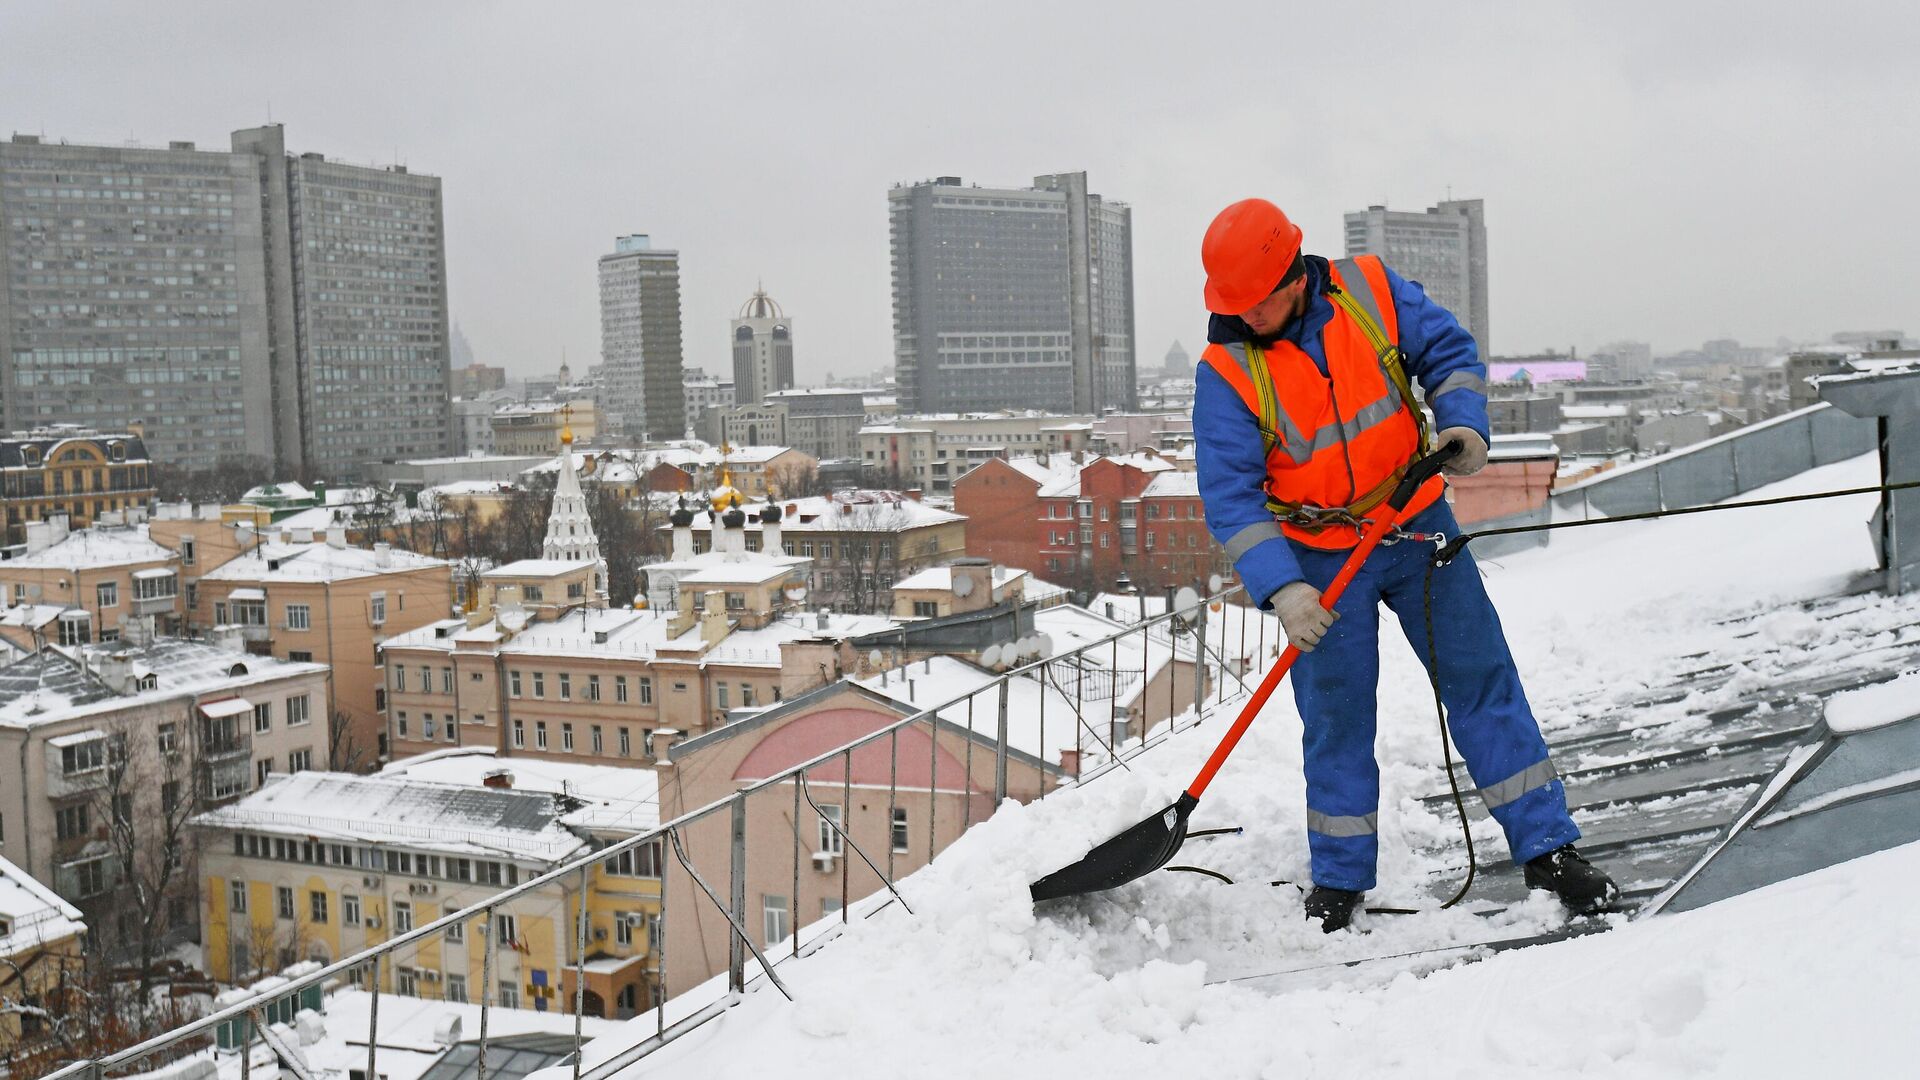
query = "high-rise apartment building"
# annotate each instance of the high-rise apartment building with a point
(1012, 298)
(639, 378)
(1444, 248)
(239, 303)
(762, 350)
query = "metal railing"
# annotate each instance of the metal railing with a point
(979, 719)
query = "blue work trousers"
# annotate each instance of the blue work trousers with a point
(1493, 728)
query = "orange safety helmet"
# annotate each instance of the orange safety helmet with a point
(1248, 249)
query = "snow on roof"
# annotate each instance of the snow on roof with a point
(925, 683)
(533, 568)
(852, 510)
(59, 684)
(1172, 484)
(615, 797)
(1067, 485)
(315, 561)
(33, 915)
(617, 632)
(95, 548)
(1599, 615)
(456, 818)
(1875, 706)
(31, 616)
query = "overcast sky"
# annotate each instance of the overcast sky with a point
(1666, 172)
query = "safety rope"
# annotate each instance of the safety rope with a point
(1445, 551)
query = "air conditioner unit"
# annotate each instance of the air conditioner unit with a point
(370, 882)
(373, 922)
(599, 933)
(422, 888)
(635, 918)
(430, 975)
(823, 860)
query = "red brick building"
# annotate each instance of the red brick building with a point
(1083, 525)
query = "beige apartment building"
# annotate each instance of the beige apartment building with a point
(104, 749)
(536, 427)
(931, 452)
(320, 865)
(105, 580)
(325, 602)
(41, 941)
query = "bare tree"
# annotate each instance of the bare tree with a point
(798, 481)
(520, 529)
(622, 542)
(226, 481)
(344, 752)
(866, 560)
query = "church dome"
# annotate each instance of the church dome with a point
(761, 306)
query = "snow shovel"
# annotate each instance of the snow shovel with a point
(1146, 847)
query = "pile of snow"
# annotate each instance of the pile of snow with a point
(1875, 706)
(1159, 977)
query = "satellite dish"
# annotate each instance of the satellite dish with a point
(796, 591)
(1043, 645)
(513, 619)
(1216, 583)
(874, 658)
(962, 586)
(990, 656)
(1186, 600)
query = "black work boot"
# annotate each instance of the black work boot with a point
(1583, 887)
(1331, 908)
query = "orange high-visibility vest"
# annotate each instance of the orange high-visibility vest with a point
(1339, 441)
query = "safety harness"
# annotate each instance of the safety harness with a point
(1359, 305)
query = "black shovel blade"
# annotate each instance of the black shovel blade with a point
(1139, 851)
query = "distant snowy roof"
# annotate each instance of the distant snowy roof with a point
(59, 683)
(940, 578)
(316, 561)
(456, 818)
(859, 511)
(1173, 484)
(95, 548)
(933, 681)
(1067, 486)
(33, 914)
(616, 798)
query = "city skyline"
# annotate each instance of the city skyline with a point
(1597, 172)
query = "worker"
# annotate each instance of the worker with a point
(1305, 420)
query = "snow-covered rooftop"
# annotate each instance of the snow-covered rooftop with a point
(940, 578)
(32, 915)
(852, 510)
(59, 683)
(455, 818)
(315, 562)
(615, 798)
(94, 549)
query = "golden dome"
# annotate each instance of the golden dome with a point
(639, 602)
(566, 436)
(725, 495)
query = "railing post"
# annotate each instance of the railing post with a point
(1041, 769)
(736, 948)
(966, 787)
(893, 792)
(796, 867)
(1000, 750)
(1199, 661)
(660, 957)
(486, 991)
(580, 970)
(846, 812)
(933, 770)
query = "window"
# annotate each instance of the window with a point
(76, 628)
(539, 684)
(426, 679)
(317, 906)
(720, 694)
(83, 757)
(304, 656)
(457, 988)
(90, 877)
(400, 719)
(456, 931)
(283, 901)
(773, 910)
(349, 910)
(598, 746)
(642, 861)
(263, 718)
(107, 594)
(507, 927)
(297, 712)
(925, 609)
(402, 916)
(566, 737)
(626, 744)
(539, 734)
(19, 594)
(900, 829)
(509, 994)
(746, 695)
(377, 609)
(300, 761)
(593, 688)
(426, 725)
(186, 550)
(299, 617)
(519, 734)
(566, 687)
(237, 897)
(829, 829)
(646, 690)
(513, 684)
(70, 822)
(261, 770)
(619, 687)
(406, 981)
(533, 593)
(623, 928)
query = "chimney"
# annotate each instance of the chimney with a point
(58, 524)
(1070, 762)
(383, 555)
(209, 511)
(977, 593)
(914, 494)
(713, 621)
(303, 536)
(337, 536)
(498, 778)
(682, 536)
(683, 617)
(822, 619)
(229, 638)
(39, 535)
(661, 743)
(116, 670)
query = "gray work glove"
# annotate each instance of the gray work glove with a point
(1306, 622)
(1473, 451)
